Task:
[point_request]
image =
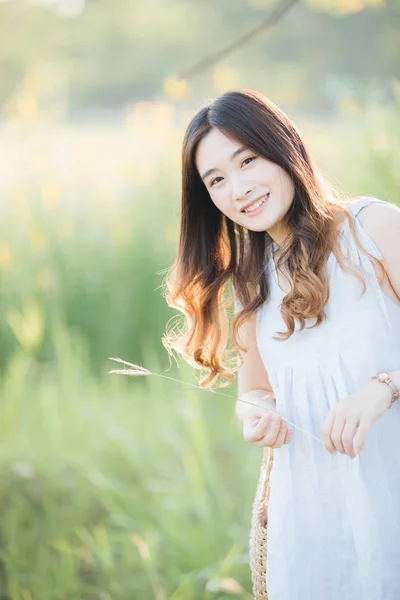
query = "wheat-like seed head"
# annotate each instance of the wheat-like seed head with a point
(134, 370)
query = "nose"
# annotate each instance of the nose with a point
(240, 188)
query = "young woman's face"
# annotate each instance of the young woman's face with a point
(237, 179)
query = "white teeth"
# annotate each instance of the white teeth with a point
(255, 205)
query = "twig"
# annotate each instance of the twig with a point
(275, 16)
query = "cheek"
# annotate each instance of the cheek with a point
(220, 203)
(265, 171)
(285, 185)
(225, 207)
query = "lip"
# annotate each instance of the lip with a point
(266, 196)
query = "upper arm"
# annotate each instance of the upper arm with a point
(252, 375)
(382, 224)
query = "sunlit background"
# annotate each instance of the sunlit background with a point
(112, 487)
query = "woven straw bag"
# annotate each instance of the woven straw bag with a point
(258, 531)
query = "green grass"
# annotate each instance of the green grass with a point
(117, 487)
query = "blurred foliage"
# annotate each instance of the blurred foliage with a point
(102, 54)
(97, 209)
(115, 488)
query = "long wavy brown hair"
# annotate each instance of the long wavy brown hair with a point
(214, 253)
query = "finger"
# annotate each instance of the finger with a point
(271, 433)
(256, 433)
(362, 432)
(348, 434)
(327, 430)
(288, 437)
(281, 435)
(337, 430)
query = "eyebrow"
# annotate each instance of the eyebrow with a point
(234, 155)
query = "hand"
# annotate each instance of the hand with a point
(266, 429)
(356, 412)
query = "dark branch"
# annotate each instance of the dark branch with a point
(275, 16)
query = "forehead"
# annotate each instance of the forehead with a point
(214, 149)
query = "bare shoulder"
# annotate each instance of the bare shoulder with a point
(381, 221)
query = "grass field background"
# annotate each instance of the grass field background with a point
(115, 487)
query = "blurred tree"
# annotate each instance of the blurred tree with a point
(105, 54)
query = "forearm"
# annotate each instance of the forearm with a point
(250, 403)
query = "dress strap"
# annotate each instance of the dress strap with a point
(360, 258)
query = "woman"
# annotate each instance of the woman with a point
(317, 331)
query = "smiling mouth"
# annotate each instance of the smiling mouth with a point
(255, 205)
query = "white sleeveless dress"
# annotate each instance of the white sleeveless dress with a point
(334, 522)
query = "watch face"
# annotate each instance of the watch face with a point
(383, 376)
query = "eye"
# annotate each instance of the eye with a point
(215, 181)
(250, 159)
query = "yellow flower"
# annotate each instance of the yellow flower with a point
(6, 256)
(24, 106)
(343, 6)
(38, 238)
(177, 89)
(224, 78)
(44, 280)
(27, 326)
(50, 196)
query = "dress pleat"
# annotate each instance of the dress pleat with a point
(333, 522)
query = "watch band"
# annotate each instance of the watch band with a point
(386, 378)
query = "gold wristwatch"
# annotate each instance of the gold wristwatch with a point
(384, 377)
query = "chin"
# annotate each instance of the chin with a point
(259, 226)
